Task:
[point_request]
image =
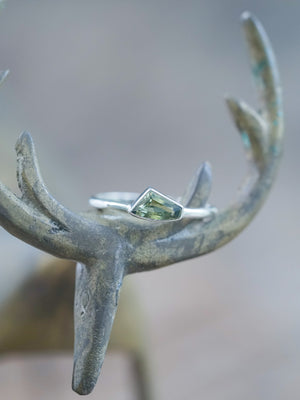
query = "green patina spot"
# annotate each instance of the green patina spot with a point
(259, 67)
(154, 206)
(275, 151)
(245, 139)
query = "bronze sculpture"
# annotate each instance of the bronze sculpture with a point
(110, 244)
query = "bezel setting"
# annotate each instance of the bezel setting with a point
(153, 205)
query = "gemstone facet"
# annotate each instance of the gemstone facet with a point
(154, 205)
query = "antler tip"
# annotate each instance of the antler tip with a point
(204, 174)
(206, 168)
(232, 104)
(3, 75)
(252, 26)
(199, 188)
(24, 141)
(248, 18)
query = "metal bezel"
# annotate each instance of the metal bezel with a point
(144, 194)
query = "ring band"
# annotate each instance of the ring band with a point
(150, 205)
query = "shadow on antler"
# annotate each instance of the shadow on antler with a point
(109, 244)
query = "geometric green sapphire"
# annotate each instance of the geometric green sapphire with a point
(154, 205)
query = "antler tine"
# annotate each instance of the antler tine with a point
(261, 134)
(3, 75)
(262, 137)
(199, 188)
(264, 69)
(253, 130)
(32, 186)
(16, 217)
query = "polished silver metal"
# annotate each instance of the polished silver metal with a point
(128, 201)
(119, 200)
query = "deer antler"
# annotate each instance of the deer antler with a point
(110, 244)
(37, 217)
(262, 136)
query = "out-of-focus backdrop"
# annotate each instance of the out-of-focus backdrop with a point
(121, 95)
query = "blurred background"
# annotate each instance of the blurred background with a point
(121, 95)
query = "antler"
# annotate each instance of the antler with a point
(110, 244)
(262, 137)
(37, 217)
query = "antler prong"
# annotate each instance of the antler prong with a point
(31, 184)
(3, 75)
(199, 189)
(265, 74)
(28, 175)
(253, 130)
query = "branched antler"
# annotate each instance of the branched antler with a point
(110, 244)
(37, 217)
(262, 135)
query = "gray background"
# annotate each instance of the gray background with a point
(121, 95)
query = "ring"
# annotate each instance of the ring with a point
(150, 205)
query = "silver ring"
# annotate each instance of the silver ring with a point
(150, 205)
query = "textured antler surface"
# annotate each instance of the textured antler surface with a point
(109, 244)
(262, 137)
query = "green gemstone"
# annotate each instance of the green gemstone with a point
(153, 205)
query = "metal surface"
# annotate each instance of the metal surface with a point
(110, 244)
